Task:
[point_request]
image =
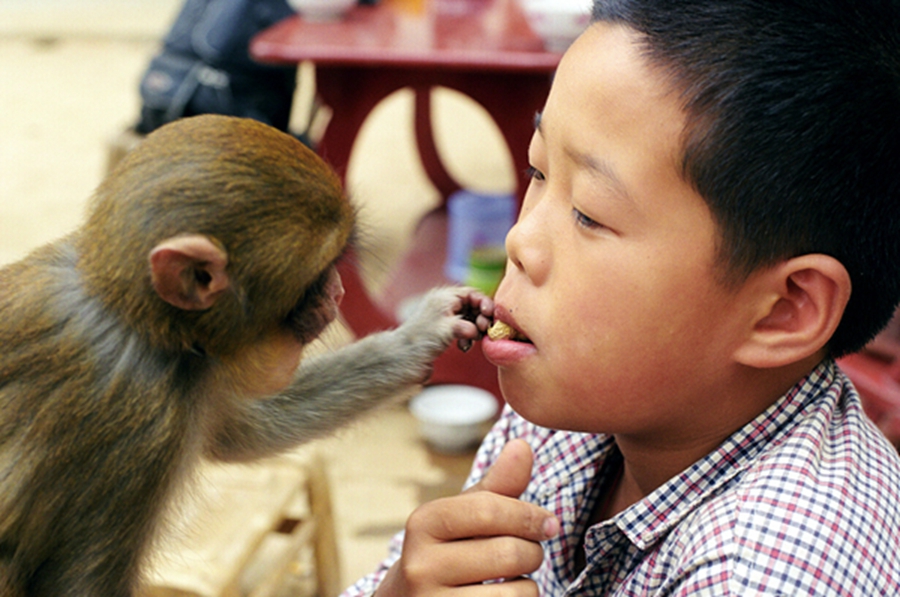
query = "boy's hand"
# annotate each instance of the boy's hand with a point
(483, 534)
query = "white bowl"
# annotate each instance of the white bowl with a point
(321, 10)
(453, 418)
(557, 22)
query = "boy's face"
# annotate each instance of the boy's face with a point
(611, 274)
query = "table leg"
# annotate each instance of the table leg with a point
(511, 99)
(428, 152)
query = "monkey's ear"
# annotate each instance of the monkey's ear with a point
(188, 271)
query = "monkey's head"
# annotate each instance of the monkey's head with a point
(216, 232)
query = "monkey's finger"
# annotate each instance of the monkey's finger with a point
(464, 344)
(487, 307)
(474, 302)
(484, 303)
(483, 322)
(463, 329)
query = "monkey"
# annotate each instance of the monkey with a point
(168, 327)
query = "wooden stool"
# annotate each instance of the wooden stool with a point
(250, 530)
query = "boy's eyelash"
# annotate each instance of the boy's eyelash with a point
(532, 172)
(584, 221)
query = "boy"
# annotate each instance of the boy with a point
(713, 217)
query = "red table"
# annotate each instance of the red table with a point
(481, 48)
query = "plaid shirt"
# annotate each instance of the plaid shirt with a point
(803, 500)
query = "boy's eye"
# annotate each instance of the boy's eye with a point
(584, 221)
(534, 173)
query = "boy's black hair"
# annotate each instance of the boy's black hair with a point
(793, 134)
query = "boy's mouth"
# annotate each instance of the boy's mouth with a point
(506, 345)
(500, 330)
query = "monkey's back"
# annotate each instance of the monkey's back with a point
(81, 420)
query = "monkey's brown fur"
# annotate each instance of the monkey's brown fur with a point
(109, 390)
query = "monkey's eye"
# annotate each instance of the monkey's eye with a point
(311, 297)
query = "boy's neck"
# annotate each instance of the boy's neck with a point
(650, 462)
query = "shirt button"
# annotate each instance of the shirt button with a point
(647, 537)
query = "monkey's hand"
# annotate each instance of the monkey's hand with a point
(439, 317)
(468, 312)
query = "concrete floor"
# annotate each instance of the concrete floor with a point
(69, 71)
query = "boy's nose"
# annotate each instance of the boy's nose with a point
(525, 245)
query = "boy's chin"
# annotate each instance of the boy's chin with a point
(522, 396)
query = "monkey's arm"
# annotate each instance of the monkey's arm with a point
(333, 389)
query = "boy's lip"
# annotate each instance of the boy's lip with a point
(503, 314)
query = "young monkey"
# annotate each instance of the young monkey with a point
(169, 327)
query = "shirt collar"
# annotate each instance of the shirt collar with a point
(561, 466)
(649, 520)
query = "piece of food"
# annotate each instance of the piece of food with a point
(500, 331)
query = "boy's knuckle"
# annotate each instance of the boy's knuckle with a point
(415, 571)
(438, 519)
(486, 515)
(516, 556)
(535, 521)
(518, 588)
(420, 521)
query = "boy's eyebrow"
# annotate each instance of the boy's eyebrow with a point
(599, 167)
(602, 169)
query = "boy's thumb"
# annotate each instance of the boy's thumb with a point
(511, 473)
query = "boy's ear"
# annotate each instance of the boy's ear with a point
(188, 271)
(800, 303)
